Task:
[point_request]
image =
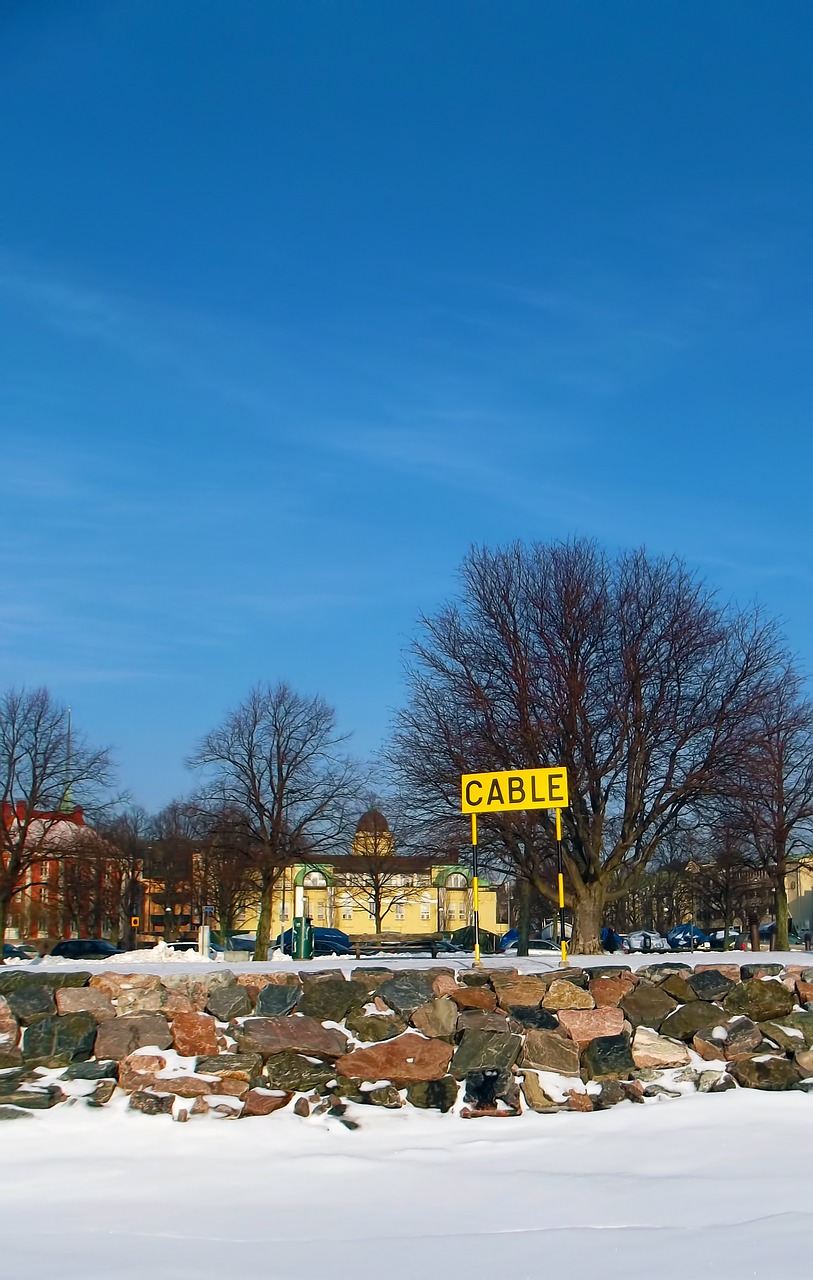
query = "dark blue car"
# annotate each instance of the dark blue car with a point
(326, 942)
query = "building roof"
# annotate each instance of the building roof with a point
(372, 823)
(395, 862)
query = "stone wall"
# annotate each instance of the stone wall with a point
(478, 1042)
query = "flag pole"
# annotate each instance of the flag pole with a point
(475, 889)
(561, 873)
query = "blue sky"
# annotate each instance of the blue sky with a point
(300, 298)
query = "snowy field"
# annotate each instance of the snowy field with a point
(163, 960)
(713, 1185)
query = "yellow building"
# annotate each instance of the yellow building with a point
(375, 890)
(799, 887)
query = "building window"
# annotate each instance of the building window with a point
(314, 880)
(320, 911)
(347, 909)
(426, 909)
(283, 913)
(399, 911)
(456, 881)
(450, 913)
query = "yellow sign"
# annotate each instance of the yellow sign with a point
(514, 789)
(135, 921)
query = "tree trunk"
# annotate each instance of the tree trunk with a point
(781, 940)
(588, 916)
(264, 921)
(524, 917)
(3, 913)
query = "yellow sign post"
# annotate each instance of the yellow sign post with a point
(507, 790)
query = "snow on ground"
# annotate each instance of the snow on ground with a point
(710, 1185)
(159, 960)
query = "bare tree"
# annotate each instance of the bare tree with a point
(228, 879)
(277, 759)
(92, 886)
(626, 671)
(126, 835)
(45, 770)
(174, 853)
(775, 792)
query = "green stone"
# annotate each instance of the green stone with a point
(608, 1058)
(17, 979)
(685, 1022)
(647, 1005)
(433, 1094)
(406, 992)
(479, 1050)
(296, 1073)
(760, 1001)
(678, 988)
(227, 1002)
(775, 1074)
(14, 1113)
(710, 984)
(60, 1040)
(35, 1100)
(372, 1028)
(275, 1000)
(327, 998)
(29, 1004)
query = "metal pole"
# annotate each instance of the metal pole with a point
(475, 889)
(561, 873)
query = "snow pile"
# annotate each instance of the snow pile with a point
(161, 953)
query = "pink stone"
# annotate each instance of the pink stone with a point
(474, 998)
(194, 1034)
(579, 1101)
(444, 984)
(584, 1025)
(263, 1102)
(610, 991)
(9, 1027)
(138, 1071)
(85, 1000)
(406, 1058)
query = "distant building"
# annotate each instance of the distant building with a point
(375, 885)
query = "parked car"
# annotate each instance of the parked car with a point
(326, 942)
(510, 941)
(767, 931)
(647, 940)
(684, 937)
(19, 951)
(241, 942)
(85, 949)
(717, 938)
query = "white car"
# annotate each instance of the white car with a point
(647, 940)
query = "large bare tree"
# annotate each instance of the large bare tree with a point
(227, 878)
(626, 670)
(775, 795)
(45, 770)
(279, 760)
